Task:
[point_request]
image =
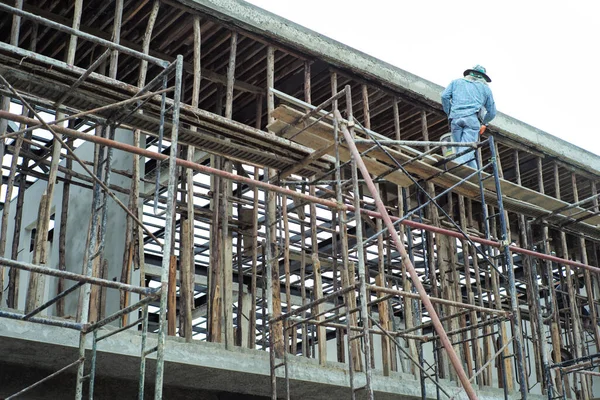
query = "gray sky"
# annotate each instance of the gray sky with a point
(542, 56)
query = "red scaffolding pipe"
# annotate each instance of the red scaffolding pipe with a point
(267, 186)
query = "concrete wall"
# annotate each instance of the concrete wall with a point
(78, 219)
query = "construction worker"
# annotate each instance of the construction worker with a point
(470, 106)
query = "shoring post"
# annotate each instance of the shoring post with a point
(456, 362)
(168, 236)
(142, 374)
(514, 302)
(364, 309)
(92, 378)
(547, 376)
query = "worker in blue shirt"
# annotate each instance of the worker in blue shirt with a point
(470, 106)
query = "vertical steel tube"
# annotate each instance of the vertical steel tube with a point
(514, 302)
(142, 375)
(93, 366)
(168, 236)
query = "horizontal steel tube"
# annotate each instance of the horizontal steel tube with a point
(116, 315)
(76, 277)
(417, 143)
(46, 321)
(437, 300)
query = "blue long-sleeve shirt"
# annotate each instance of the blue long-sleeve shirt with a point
(464, 97)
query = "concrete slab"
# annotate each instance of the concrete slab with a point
(197, 367)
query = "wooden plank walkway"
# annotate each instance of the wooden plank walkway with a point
(519, 199)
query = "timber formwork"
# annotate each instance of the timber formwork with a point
(259, 220)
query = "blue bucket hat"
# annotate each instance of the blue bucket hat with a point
(478, 69)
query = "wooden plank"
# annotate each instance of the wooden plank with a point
(517, 198)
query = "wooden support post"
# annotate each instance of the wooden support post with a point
(302, 215)
(318, 286)
(253, 288)
(433, 243)
(575, 320)
(321, 332)
(537, 332)
(226, 210)
(305, 339)
(338, 222)
(172, 297)
(35, 292)
(555, 324)
(215, 281)
(505, 362)
(62, 239)
(7, 198)
(116, 38)
(277, 329)
(475, 348)
(14, 273)
(187, 263)
(5, 106)
(134, 248)
(37, 282)
(286, 265)
(349, 278)
(186, 288)
(461, 322)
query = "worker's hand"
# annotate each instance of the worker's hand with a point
(482, 129)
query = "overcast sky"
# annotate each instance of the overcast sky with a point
(543, 56)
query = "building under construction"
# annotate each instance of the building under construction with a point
(201, 199)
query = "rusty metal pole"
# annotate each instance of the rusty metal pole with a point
(409, 267)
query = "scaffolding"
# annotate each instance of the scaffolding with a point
(329, 231)
(497, 262)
